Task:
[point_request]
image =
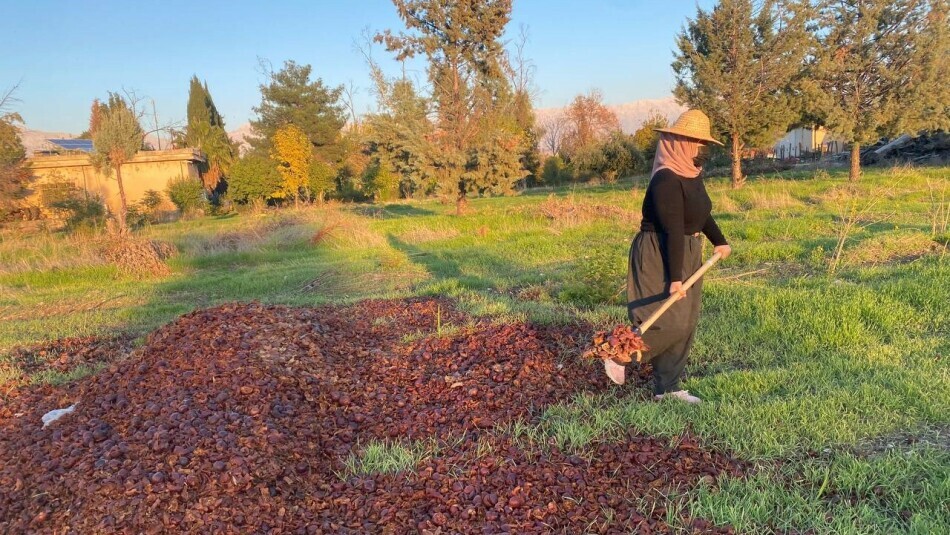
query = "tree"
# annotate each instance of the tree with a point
(589, 121)
(320, 177)
(293, 153)
(13, 173)
(613, 158)
(646, 137)
(206, 131)
(737, 63)
(116, 141)
(879, 68)
(553, 130)
(254, 177)
(494, 163)
(290, 97)
(382, 181)
(522, 81)
(95, 119)
(553, 172)
(467, 76)
(400, 133)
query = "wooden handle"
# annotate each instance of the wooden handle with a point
(673, 298)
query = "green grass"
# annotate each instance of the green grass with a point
(55, 377)
(801, 355)
(895, 492)
(388, 457)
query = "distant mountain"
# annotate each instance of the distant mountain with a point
(632, 115)
(240, 135)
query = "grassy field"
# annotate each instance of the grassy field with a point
(822, 354)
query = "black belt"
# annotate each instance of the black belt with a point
(694, 235)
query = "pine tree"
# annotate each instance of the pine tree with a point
(880, 68)
(737, 63)
(116, 140)
(400, 133)
(467, 75)
(290, 97)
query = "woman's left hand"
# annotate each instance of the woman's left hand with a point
(724, 250)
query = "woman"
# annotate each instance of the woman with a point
(668, 249)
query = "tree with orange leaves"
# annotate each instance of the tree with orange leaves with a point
(589, 121)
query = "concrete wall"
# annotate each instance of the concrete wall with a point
(149, 170)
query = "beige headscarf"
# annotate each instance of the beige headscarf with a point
(676, 153)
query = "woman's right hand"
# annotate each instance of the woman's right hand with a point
(676, 288)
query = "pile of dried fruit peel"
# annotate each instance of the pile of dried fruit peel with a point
(623, 345)
(240, 419)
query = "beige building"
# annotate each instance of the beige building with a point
(808, 139)
(149, 170)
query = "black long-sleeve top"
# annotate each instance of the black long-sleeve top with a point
(676, 207)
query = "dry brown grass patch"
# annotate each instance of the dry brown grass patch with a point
(285, 229)
(774, 200)
(891, 248)
(425, 235)
(725, 203)
(137, 256)
(22, 252)
(569, 212)
(837, 194)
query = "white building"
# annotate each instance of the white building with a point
(806, 140)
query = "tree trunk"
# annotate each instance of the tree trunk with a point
(460, 204)
(124, 205)
(737, 179)
(855, 173)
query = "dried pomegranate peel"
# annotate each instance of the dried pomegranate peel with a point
(621, 345)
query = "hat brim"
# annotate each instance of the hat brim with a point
(690, 135)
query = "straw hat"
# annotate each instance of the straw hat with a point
(692, 124)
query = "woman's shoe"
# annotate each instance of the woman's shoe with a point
(682, 395)
(615, 372)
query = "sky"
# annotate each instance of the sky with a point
(66, 53)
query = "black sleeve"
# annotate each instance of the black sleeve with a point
(667, 197)
(711, 230)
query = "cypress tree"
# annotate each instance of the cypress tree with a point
(206, 132)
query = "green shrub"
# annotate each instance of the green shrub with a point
(321, 181)
(598, 278)
(82, 213)
(554, 172)
(146, 210)
(77, 209)
(254, 178)
(151, 200)
(187, 194)
(614, 158)
(381, 182)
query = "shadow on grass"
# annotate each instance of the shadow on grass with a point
(392, 211)
(441, 266)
